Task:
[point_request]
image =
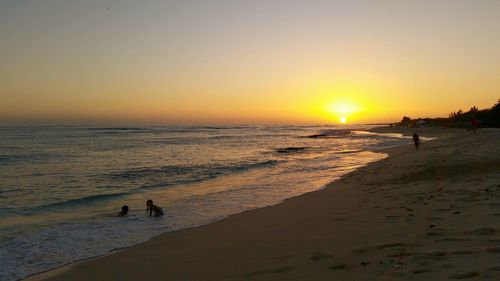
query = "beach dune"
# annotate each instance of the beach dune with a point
(431, 214)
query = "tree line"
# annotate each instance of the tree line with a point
(489, 117)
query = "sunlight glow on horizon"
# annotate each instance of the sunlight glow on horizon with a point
(246, 62)
(343, 109)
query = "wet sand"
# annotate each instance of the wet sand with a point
(431, 214)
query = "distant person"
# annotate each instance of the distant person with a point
(416, 140)
(124, 211)
(152, 208)
(474, 124)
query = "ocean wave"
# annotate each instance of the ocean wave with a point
(181, 174)
(110, 131)
(194, 129)
(291, 149)
(389, 143)
(10, 190)
(6, 159)
(219, 137)
(117, 129)
(368, 134)
(330, 134)
(315, 136)
(177, 141)
(348, 151)
(35, 157)
(86, 200)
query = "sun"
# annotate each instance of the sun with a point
(343, 110)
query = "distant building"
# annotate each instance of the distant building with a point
(421, 123)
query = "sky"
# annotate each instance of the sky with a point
(245, 62)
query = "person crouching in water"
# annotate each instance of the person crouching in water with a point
(152, 208)
(124, 211)
(416, 140)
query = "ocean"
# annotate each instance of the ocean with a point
(61, 187)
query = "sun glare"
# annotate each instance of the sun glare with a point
(342, 110)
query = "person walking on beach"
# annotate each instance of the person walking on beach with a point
(474, 124)
(416, 140)
(152, 208)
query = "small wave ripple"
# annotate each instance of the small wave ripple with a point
(155, 177)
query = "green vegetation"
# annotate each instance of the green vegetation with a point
(489, 117)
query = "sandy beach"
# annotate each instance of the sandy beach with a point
(430, 214)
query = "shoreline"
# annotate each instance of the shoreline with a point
(44, 275)
(224, 226)
(62, 268)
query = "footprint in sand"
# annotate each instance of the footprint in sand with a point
(436, 254)
(422, 270)
(278, 270)
(435, 232)
(364, 263)
(429, 256)
(461, 252)
(494, 268)
(282, 258)
(494, 250)
(337, 267)
(452, 239)
(483, 231)
(464, 275)
(358, 251)
(316, 256)
(390, 245)
(433, 218)
(392, 217)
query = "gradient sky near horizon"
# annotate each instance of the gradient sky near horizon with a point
(254, 61)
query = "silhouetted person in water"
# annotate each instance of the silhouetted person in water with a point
(124, 211)
(416, 140)
(152, 208)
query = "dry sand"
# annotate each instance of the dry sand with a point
(431, 214)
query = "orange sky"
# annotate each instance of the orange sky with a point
(178, 62)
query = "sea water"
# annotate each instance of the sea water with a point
(62, 187)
